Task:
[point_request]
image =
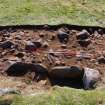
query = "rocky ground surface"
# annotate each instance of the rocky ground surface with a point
(29, 57)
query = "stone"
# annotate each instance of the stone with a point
(57, 62)
(20, 69)
(17, 69)
(4, 91)
(64, 46)
(20, 54)
(11, 61)
(101, 60)
(18, 37)
(82, 35)
(41, 34)
(45, 45)
(13, 58)
(84, 43)
(63, 36)
(66, 72)
(30, 46)
(6, 35)
(90, 78)
(6, 45)
(53, 37)
(40, 68)
(100, 31)
(38, 43)
(83, 55)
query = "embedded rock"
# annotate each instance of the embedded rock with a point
(63, 36)
(90, 78)
(83, 35)
(30, 46)
(66, 72)
(101, 60)
(6, 45)
(84, 43)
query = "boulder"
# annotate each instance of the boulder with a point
(90, 78)
(16, 69)
(66, 72)
(20, 69)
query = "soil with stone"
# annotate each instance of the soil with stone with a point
(46, 47)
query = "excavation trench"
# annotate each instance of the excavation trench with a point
(39, 50)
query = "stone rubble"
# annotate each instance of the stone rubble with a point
(60, 53)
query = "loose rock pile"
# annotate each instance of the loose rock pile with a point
(55, 53)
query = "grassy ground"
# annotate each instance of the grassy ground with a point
(78, 12)
(61, 96)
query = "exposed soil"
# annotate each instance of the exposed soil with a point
(65, 54)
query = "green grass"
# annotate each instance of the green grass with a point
(76, 12)
(62, 96)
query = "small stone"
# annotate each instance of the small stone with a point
(8, 91)
(20, 54)
(13, 58)
(37, 43)
(30, 46)
(96, 34)
(6, 35)
(83, 35)
(84, 43)
(63, 63)
(3, 53)
(53, 37)
(39, 61)
(12, 50)
(41, 35)
(43, 82)
(64, 46)
(63, 36)
(45, 45)
(18, 37)
(101, 60)
(100, 31)
(57, 63)
(6, 45)
(83, 55)
(33, 61)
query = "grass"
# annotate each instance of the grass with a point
(61, 96)
(76, 12)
